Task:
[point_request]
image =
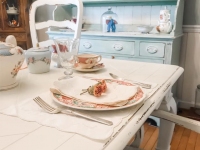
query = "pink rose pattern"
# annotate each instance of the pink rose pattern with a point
(19, 51)
(32, 60)
(73, 102)
(16, 68)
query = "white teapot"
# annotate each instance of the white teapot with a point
(164, 27)
(11, 59)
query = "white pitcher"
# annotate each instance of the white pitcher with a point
(164, 27)
(164, 15)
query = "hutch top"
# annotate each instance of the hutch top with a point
(127, 42)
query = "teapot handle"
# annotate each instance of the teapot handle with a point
(170, 25)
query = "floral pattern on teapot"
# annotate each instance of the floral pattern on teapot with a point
(32, 60)
(11, 60)
(16, 68)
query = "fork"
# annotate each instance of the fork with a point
(52, 110)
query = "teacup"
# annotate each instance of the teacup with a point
(86, 61)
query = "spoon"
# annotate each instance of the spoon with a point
(144, 85)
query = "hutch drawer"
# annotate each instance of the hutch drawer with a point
(152, 49)
(107, 46)
(159, 61)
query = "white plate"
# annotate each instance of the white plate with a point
(84, 107)
(89, 70)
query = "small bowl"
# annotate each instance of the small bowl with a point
(144, 29)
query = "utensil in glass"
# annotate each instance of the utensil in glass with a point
(52, 110)
(67, 49)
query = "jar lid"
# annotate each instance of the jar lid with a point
(109, 12)
(38, 49)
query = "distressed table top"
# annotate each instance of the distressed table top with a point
(19, 134)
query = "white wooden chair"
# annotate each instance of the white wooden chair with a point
(34, 26)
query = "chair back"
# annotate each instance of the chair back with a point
(34, 26)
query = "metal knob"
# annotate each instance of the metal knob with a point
(152, 49)
(118, 47)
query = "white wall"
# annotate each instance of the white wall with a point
(192, 12)
(190, 61)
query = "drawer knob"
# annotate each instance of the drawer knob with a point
(118, 47)
(152, 49)
(87, 45)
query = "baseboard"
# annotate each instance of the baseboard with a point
(191, 28)
(184, 104)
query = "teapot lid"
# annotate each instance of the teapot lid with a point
(38, 49)
(4, 45)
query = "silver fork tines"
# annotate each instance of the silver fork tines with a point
(52, 110)
(44, 105)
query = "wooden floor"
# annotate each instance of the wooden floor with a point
(183, 139)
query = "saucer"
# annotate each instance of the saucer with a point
(95, 68)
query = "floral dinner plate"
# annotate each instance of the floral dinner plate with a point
(77, 104)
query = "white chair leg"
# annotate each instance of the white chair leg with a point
(185, 122)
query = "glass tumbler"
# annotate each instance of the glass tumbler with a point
(67, 50)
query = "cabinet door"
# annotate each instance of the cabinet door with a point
(13, 20)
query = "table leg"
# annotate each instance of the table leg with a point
(137, 141)
(166, 127)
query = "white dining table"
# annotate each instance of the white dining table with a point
(19, 134)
